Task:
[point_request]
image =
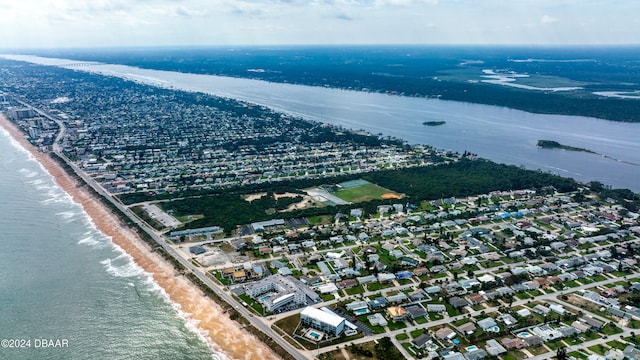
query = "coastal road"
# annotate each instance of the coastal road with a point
(265, 328)
(188, 265)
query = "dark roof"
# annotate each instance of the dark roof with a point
(421, 340)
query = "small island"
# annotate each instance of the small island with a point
(550, 144)
(434, 123)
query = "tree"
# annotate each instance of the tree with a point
(561, 353)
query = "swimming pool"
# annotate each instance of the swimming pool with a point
(524, 335)
(471, 348)
(361, 311)
(314, 335)
(264, 298)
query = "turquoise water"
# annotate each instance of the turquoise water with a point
(63, 280)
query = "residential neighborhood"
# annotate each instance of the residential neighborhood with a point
(527, 275)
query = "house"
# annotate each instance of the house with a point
(367, 279)
(618, 313)
(420, 271)
(531, 285)
(436, 308)
(378, 303)
(416, 311)
(475, 299)
(421, 341)
(631, 352)
(541, 309)
(458, 302)
(396, 298)
(508, 320)
(614, 354)
(357, 306)
(547, 333)
(534, 340)
(453, 356)
(542, 282)
(580, 326)
(504, 291)
(593, 323)
(487, 324)
(347, 283)
(477, 354)
(417, 295)
(377, 320)
(396, 313)
(432, 290)
(513, 344)
(469, 283)
(487, 278)
(494, 348)
(467, 328)
(523, 312)
(445, 334)
(567, 331)
(559, 309)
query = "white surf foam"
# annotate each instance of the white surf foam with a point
(28, 173)
(92, 242)
(66, 215)
(126, 270)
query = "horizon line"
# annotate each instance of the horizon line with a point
(167, 46)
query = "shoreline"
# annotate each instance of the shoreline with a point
(223, 334)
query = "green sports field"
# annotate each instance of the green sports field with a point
(366, 193)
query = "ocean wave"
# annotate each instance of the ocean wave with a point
(66, 215)
(191, 324)
(92, 242)
(129, 269)
(126, 270)
(28, 173)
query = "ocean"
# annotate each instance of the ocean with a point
(66, 291)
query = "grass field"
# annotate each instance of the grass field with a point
(365, 193)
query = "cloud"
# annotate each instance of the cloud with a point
(546, 19)
(405, 2)
(345, 17)
(187, 12)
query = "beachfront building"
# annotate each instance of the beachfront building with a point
(277, 292)
(324, 321)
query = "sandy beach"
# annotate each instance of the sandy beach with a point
(223, 334)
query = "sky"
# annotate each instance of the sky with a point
(109, 23)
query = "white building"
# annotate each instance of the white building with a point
(323, 321)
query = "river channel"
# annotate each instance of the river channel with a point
(497, 133)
